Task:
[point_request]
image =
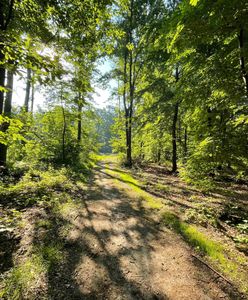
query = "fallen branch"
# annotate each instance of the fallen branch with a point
(216, 272)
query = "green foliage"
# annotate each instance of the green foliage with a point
(13, 130)
(210, 89)
(106, 119)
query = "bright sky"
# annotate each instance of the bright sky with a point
(101, 97)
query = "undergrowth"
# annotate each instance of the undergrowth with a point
(57, 194)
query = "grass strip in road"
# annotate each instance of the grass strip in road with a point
(120, 175)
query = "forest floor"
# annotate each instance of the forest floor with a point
(113, 239)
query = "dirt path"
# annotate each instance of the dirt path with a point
(116, 250)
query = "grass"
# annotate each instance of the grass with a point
(194, 237)
(24, 278)
(154, 203)
(30, 274)
(163, 188)
(57, 193)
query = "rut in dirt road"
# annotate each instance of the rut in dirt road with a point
(117, 251)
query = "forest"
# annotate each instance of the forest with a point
(139, 196)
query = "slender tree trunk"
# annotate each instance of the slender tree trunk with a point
(131, 91)
(2, 81)
(2, 69)
(7, 113)
(141, 153)
(4, 22)
(79, 131)
(129, 146)
(8, 100)
(174, 130)
(32, 97)
(125, 102)
(5, 19)
(174, 138)
(179, 130)
(28, 88)
(185, 144)
(159, 156)
(3, 151)
(63, 133)
(242, 60)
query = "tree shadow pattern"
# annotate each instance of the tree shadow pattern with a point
(96, 261)
(111, 283)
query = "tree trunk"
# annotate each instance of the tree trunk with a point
(63, 134)
(174, 138)
(79, 131)
(159, 156)
(4, 22)
(3, 151)
(7, 113)
(2, 69)
(129, 146)
(2, 81)
(131, 91)
(32, 97)
(185, 144)
(28, 88)
(5, 19)
(126, 105)
(8, 100)
(242, 60)
(174, 130)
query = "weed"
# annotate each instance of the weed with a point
(44, 224)
(243, 227)
(24, 278)
(163, 188)
(203, 215)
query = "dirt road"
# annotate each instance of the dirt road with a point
(118, 250)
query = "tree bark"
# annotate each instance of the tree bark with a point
(2, 82)
(32, 97)
(174, 138)
(185, 144)
(7, 113)
(8, 100)
(242, 60)
(4, 22)
(125, 101)
(174, 130)
(28, 88)
(79, 131)
(63, 134)
(131, 91)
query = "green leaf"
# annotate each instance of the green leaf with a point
(194, 2)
